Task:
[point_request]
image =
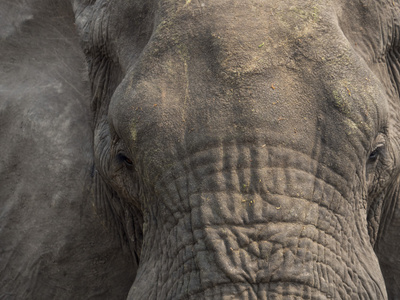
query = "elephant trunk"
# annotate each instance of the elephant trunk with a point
(254, 223)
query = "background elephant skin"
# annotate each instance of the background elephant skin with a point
(181, 149)
(52, 244)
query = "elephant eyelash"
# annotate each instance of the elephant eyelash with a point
(124, 159)
(373, 156)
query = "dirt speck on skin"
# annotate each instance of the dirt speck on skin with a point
(133, 131)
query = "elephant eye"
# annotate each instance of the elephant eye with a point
(122, 158)
(373, 156)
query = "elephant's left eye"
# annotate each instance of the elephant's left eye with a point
(125, 160)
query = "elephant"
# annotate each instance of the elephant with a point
(181, 149)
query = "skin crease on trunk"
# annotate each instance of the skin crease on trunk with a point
(250, 144)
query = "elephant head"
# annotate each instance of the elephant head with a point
(248, 149)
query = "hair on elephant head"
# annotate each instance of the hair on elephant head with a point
(248, 149)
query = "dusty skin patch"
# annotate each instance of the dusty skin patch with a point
(340, 102)
(133, 131)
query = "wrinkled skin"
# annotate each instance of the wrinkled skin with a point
(243, 149)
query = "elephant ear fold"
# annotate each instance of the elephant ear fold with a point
(387, 246)
(123, 220)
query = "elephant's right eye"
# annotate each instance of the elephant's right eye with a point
(124, 159)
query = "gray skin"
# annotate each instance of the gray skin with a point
(52, 243)
(243, 149)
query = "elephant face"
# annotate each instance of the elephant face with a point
(248, 149)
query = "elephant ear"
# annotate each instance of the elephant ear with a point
(387, 246)
(53, 245)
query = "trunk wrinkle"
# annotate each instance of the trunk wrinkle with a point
(319, 264)
(192, 162)
(251, 219)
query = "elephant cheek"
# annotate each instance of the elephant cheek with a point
(255, 232)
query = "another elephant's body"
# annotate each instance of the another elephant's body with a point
(242, 150)
(52, 244)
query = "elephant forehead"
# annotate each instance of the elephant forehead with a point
(246, 74)
(171, 120)
(243, 35)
